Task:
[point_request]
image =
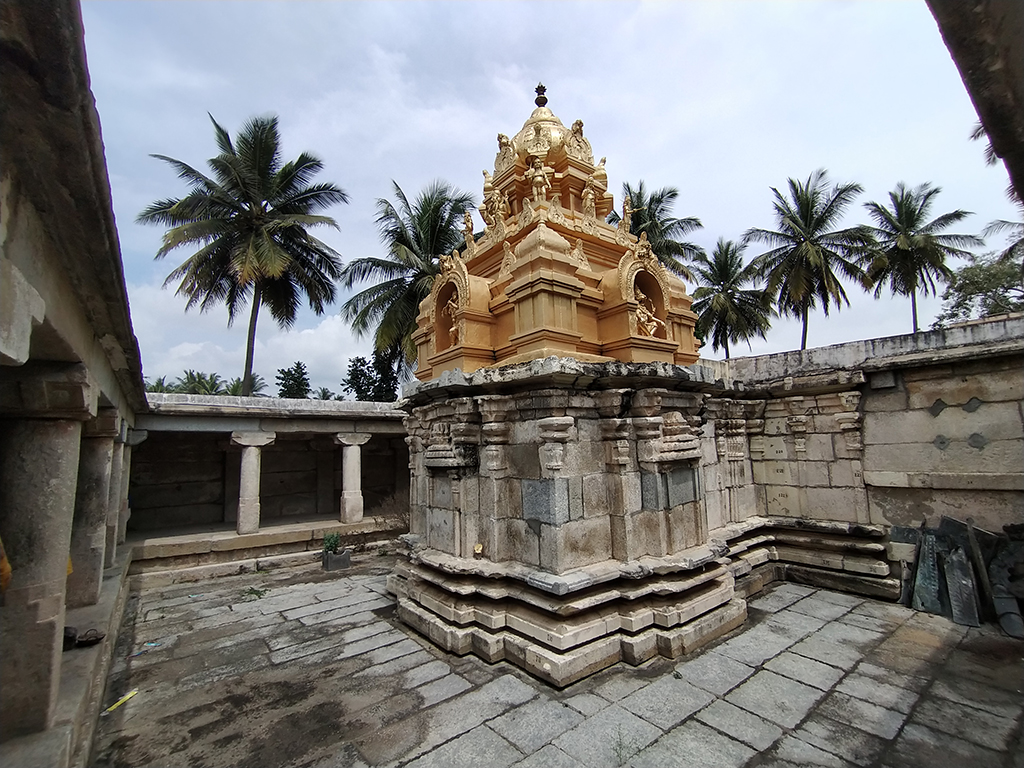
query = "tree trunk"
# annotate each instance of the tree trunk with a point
(251, 342)
(725, 342)
(803, 336)
(913, 306)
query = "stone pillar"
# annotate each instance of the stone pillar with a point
(351, 475)
(39, 462)
(114, 494)
(89, 531)
(249, 478)
(135, 437)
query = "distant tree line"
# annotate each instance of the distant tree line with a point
(375, 379)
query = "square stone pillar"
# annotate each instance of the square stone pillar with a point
(249, 478)
(39, 463)
(135, 437)
(351, 475)
(89, 531)
(114, 493)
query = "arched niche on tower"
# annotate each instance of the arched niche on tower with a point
(650, 298)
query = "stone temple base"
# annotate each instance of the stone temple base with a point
(562, 639)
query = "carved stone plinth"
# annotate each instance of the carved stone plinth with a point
(558, 519)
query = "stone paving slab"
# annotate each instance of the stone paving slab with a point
(313, 669)
(714, 672)
(694, 744)
(740, 724)
(807, 671)
(536, 723)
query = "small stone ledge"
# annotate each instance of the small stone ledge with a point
(577, 579)
(975, 481)
(751, 524)
(181, 545)
(992, 338)
(559, 372)
(564, 668)
(507, 589)
(268, 407)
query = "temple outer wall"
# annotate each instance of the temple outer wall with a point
(892, 431)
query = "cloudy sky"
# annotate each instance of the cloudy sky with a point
(722, 100)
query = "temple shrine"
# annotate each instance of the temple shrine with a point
(556, 510)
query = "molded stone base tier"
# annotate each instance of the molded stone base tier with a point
(564, 639)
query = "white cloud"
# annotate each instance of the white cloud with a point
(173, 341)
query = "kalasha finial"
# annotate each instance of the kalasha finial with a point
(541, 99)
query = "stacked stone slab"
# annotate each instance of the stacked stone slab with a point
(557, 519)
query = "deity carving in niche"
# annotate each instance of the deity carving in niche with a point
(590, 199)
(508, 260)
(539, 179)
(450, 309)
(447, 261)
(467, 233)
(600, 175)
(494, 209)
(506, 154)
(645, 253)
(627, 215)
(538, 143)
(577, 146)
(646, 322)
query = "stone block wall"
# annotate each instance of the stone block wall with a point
(558, 479)
(884, 432)
(946, 439)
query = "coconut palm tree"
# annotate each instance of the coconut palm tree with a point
(1015, 231)
(259, 386)
(652, 213)
(414, 234)
(807, 249)
(199, 383)
(159, 385)
(728, 310)
(911, 252)
(249, 222)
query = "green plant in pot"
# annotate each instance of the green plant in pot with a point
(333, 559)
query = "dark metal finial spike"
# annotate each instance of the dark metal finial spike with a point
(541, 99)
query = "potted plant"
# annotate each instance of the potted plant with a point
(334, 560)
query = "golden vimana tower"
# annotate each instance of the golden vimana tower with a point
(549, 276)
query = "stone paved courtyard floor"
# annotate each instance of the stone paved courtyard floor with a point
(312, 669)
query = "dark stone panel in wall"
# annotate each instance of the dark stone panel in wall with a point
(288, 505)
(177, 479)
(156, 518)
(286, 483)
(385, 476)
(178, 495)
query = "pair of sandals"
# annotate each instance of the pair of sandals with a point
(74, 640)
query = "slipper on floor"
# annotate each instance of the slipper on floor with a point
(89, 637)
(70, 638)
